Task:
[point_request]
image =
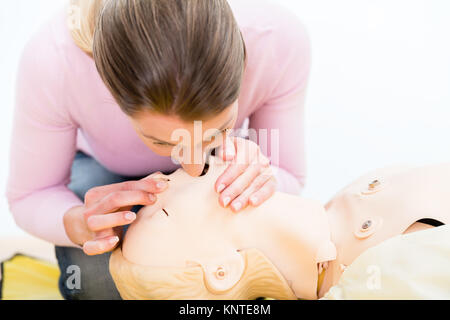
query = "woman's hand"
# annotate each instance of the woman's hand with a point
(96, 225)
(248, 179)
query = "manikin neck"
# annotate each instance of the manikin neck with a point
(293, 233)
(323, 267)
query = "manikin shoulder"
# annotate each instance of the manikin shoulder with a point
(398, 195)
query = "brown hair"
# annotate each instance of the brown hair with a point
(180, 57)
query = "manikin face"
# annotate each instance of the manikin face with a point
(187, 227)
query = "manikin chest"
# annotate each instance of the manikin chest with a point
(382, 205)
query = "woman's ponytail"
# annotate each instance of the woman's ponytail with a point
(82, 18)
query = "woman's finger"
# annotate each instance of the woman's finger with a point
(227, 150)
(230, 174)
(106, 233)
(100, 246)
(111, 220)
(246, 153)
(118, 199)
(238, 186)
(148, 185)
(264, 193)
(257, 183)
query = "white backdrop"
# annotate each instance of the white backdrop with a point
(379, 92)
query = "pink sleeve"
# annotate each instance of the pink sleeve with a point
(43, 144)
(283, 110)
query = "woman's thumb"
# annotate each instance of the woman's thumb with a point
(227, 150)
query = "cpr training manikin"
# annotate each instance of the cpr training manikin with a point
(186, 246)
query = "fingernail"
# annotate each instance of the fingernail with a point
(130, 216)
(114, 240)
(152, 197)
(226, 201)
(220, 188)
(253, 199)
(237, 206)
(161, 184)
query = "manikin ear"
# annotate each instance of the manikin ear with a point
(222, 274)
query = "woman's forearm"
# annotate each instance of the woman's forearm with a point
(43, 144)
(41, 213)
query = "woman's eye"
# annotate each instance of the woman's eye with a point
(222, 132)
(161, 144)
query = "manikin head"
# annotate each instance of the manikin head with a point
(188, 247)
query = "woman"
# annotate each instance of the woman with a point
(118, 85)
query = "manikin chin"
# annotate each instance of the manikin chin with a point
(188, 247)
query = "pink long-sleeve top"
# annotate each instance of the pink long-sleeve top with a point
(63, 106)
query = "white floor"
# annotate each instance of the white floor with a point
(379, 89)
(25, 244)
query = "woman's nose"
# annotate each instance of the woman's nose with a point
(194, 170)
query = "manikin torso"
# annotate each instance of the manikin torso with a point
(383, 204)
(296, 234)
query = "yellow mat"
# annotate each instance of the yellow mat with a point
(26, 278)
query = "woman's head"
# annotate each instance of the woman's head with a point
(181, 60)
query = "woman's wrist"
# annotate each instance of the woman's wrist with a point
(75, 226)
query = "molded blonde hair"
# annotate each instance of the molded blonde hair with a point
(260, 279)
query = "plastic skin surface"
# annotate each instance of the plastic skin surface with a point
(194, 229)
(383, 204)
(299, 236)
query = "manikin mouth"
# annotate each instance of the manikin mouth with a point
(211, 153)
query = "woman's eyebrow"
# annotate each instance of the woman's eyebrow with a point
(158, 140)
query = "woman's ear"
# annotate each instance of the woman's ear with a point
(223, 274)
